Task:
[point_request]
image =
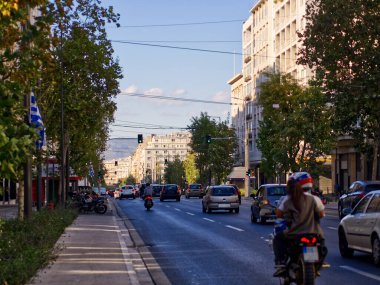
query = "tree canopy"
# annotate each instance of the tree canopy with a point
(295, 131)
(341, 43)
(215, 159)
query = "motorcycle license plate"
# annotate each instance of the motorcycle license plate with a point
(310, 253)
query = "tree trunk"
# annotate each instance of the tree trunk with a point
(20, 200)
(375, 160)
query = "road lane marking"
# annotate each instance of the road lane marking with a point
(236, 229)
(179, 210)
(332, 228)
(167, 206)
(191, 214)
(366, 274)
(209, 220)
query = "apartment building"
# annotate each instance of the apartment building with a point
(162, 149)
(269, 43)
(117, 170)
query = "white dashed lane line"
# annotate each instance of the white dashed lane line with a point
(209, 220)
(363, 273)
(332, 228)
(191, 214)
(236, 229)
(179, 210)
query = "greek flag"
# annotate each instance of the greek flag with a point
(36, 121)
(91, 171)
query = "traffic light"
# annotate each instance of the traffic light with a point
(208, 138)
(248, 173)
(140, 138)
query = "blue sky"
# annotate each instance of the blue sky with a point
(174, 72)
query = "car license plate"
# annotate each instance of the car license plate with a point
(310, 253)
(224, 206)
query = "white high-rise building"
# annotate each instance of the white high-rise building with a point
(269, 43)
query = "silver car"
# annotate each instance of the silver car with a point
(220, 197)
(360, 229)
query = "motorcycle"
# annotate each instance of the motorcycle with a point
(304, 260)
(148, 202)
(89, 204)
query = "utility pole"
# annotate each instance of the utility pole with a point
(247, 178)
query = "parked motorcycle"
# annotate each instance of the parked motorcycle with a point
(148, 202)
(89, 204)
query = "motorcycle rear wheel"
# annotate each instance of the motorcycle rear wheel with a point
(305, 273)
(101, 209)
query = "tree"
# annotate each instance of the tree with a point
(130, 180)
(22, 52)
(297, 134)
(213, 159)
(174, 172)
(191, 171)
(85, 73)
(341, 43)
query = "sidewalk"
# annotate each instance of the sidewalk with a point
(96, 249)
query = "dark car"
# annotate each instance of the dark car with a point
(355, 192)
(170, 191)
(194, 190)
(156, 190)
(266, 201)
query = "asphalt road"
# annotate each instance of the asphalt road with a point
(192, 247)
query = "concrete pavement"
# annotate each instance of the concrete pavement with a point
(99, 249)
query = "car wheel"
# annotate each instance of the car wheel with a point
(161, 200)
(203, 209)
(376, 251)
(237, 211)
(340, 211)
(253, 218)
(187, 197)
(178, 199)
(262, 220)
(344, 250)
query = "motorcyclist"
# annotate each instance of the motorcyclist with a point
(148, 191)
(301, 212)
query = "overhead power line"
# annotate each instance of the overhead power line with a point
(186, 41)
(176, 47)
(180, 24)
(175, 98)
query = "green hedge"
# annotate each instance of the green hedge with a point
(26, 246)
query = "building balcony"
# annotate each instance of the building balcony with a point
(247, 59)
(247, 78)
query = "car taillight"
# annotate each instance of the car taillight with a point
(179, 190)
(361, 195)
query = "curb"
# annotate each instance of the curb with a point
(158, 277)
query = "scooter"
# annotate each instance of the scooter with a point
(89, 204)
(148, 202)
(304, 259)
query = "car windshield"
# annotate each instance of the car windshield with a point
(223, 191)
(171, 187)
(195, 186)
(277, 191)
(156, 187)
(372, 187)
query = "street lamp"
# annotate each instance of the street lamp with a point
(247, 179)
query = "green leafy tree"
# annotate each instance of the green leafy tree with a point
(295, 131)
(23, 47)
(190, 168)
(215, 159)
(341, 43)
(130, 180)
(86, 74)
(174, 171)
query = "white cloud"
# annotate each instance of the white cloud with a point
(179, 92)
(154, 91)
(222, 96)
(131, 89)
